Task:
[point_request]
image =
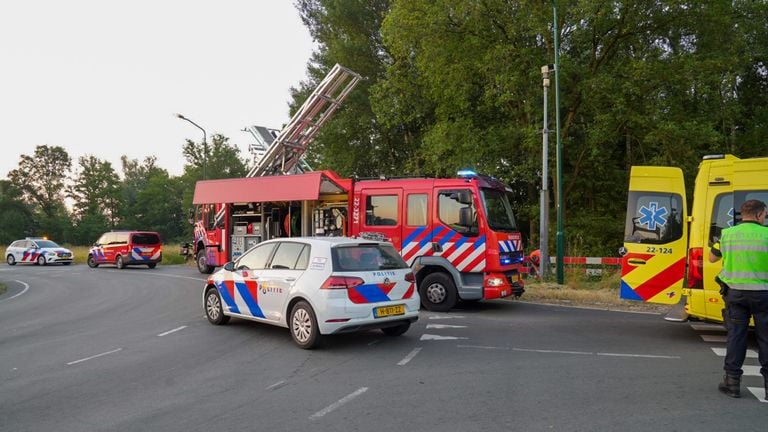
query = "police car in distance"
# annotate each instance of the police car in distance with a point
(37, 250)
(316, 286)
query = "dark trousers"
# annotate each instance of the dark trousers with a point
(740, 306)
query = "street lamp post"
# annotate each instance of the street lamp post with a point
(560, 231)
(544, 268)
(205, 144)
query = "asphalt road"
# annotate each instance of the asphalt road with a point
(122, 350)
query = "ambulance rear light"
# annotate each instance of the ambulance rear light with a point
(696, 268)
(341, 282)
(409, 277)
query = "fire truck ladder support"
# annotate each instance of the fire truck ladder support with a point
(286, 150)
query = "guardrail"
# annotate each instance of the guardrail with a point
(593, 266)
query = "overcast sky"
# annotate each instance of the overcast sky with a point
(105, 77)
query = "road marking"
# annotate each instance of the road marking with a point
(553, 351)
(714, 338)
(172, 331)
(374, 342)
(708, 327)
(26, 287)
(751, 370)
(276, 385)
(437, 337)
(409, 357)
(445, 316)
(443, 326)
(482, 347)
(759, 393)
(93, 357)
(720, 352)
(639, 356)
(338, 403)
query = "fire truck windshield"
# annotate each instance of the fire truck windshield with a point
(498, 210)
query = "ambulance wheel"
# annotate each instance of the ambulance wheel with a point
(303, 326)
(438, 292)
(396, 330)
(10, 260)
(202, 263)
(92, 262)
(119, 262)
(152, 265)
(41, 260)
(214, 310)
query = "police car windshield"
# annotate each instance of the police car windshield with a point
(498, 210)
(46, 244)
(366, 257)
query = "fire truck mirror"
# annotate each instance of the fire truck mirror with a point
(464, 197)
(465, 216)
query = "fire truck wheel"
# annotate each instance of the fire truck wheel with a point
(119, 262)
(396, 330)
(11, 260)
(303, 326)
(41, 260)
(213, 308)
(92, 262)
(438, 292)
(202, 263)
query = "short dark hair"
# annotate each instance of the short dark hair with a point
(752, 208)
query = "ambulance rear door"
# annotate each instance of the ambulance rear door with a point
(655, 236)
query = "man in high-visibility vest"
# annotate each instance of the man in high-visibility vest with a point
(744, 282)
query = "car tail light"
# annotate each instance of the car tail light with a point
(410, 277)
(695, 268)
(341, 282)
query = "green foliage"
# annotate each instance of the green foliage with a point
(96, 195)
(15, 216)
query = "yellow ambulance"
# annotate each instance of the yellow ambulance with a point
(664, 257)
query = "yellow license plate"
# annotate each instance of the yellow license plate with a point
(385, 311)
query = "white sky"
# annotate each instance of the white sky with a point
(104, 77)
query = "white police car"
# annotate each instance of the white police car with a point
(316, 286)
(36, 250)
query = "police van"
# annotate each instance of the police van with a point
(664, 257)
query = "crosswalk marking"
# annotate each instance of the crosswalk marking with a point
(714, 338)
(438, 337)
(444, 326)
(759, 393)
(720, 352)
(437, 317)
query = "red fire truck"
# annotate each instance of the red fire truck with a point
(459, 235)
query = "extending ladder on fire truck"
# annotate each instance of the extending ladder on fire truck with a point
(283, 154)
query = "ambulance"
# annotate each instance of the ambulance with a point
(666, 247)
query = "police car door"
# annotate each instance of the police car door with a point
(247, 279)
(655, 236)
(280, 279)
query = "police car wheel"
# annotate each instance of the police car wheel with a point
(438, 293)
(41, 260)
(303, 326)
(213, 308)
(396, 330)
(119, 263)
(10, 260)
(92, 262)
(67, 263)
(152, 265)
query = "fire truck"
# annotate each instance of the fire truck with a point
(664, 257)
(459, 235)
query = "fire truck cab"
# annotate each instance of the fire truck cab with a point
(459, 235)
(662, 239)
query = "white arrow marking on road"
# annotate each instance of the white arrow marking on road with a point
(445, 316)
(759, 393)
(172, 331)
(714, 338)
(409, 357)
(338, 403)
(720, 352)
(443, 326)
(93, 357)
(437, 337)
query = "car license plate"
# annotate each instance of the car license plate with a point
(385, 311)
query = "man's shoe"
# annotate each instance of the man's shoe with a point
(731, 386)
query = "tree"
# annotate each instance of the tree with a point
(15, 216)
(97, 201)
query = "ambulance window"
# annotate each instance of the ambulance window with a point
(256, 258)
(722, 216)
(381, 210)
(460, 217)
(652, 217)
(742, 196)
(286, 256)
(417, 210)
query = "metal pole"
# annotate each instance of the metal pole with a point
(560, 231)
(544, 268)
(205, 144)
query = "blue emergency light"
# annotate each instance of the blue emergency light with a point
(466, 173)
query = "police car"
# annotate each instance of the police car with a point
(37, 250)
(315, 287)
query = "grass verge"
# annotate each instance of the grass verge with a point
(170, 254)
(3, 289)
